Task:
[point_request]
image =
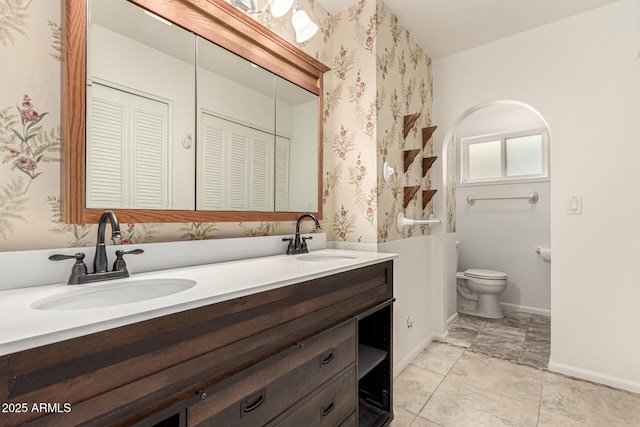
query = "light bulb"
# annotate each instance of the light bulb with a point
(304, 27)
(280, 7)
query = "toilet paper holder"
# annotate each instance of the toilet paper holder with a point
(544, 252)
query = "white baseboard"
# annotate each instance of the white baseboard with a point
(525, 309)
(595, 377)
(399, 366)
(451, 320)
(441, 337)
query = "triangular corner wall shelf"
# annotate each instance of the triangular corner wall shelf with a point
(409, 121)
(427, 162)
(427, 195)
(427, 133)
(409, 192)
(409, 157)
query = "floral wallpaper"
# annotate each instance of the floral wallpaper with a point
(378, 75)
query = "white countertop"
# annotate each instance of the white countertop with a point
(24, 327)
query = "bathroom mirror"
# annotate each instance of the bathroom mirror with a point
(256, 132)
(180, 128)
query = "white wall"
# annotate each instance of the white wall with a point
(581, 74)
(502, 235)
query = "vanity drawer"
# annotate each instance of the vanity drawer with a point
(258, 395)
(330, 406)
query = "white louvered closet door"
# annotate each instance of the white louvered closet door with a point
(211, 160)
(236, 169)
(107, 137)
(128, 155)
(261, 172)
(149, 153)
(237, 165)
(282, 174)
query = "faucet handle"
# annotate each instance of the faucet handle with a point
(79, 268)
(119, 264)
(304, 242)
(290, 246)
(59, 257)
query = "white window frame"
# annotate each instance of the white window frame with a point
(465, 142)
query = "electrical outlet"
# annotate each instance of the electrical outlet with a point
(410, 322)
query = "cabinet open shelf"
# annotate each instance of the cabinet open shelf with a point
(375, 366)
(368, 358)
(371, 416)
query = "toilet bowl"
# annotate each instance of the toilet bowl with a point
(478, 292)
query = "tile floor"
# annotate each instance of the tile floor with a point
(493, 373)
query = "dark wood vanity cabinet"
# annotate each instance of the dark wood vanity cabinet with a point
(316, 353)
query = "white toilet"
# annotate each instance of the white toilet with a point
(478, 292)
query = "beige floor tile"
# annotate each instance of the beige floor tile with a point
(550, 419)
(499, 377)
(402, 417)
(587, 403)
(413, 387)
(457, 403)
(469, 322)
(504, 346)
(438, 357)
(421, 422)
(501, 329)
(462, 337)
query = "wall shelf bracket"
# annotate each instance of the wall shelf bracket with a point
(409, 192)
(409, 121)
(427, 133)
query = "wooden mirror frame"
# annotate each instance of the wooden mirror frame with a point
(216, 21)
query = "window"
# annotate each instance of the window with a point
(505, 157)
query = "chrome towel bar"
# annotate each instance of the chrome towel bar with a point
(532, 197)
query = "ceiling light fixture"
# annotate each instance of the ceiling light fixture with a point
(303, 26)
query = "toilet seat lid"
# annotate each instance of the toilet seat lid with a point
(479, 273)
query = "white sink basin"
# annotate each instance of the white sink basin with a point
(325, 257)
(110, 294)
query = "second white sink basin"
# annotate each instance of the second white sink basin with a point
(325, 257)
(110, 294)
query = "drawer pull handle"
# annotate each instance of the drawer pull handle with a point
(248, 407)
(324, 359)
(326, 411)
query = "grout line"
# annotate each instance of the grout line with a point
(540, 401)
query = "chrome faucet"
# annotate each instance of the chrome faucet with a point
(296, 244)
(79, 272)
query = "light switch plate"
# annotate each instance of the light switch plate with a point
(574, 205)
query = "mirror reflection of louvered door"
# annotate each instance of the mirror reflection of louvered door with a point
(282, 174)
(128, 157)
(238, 167)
